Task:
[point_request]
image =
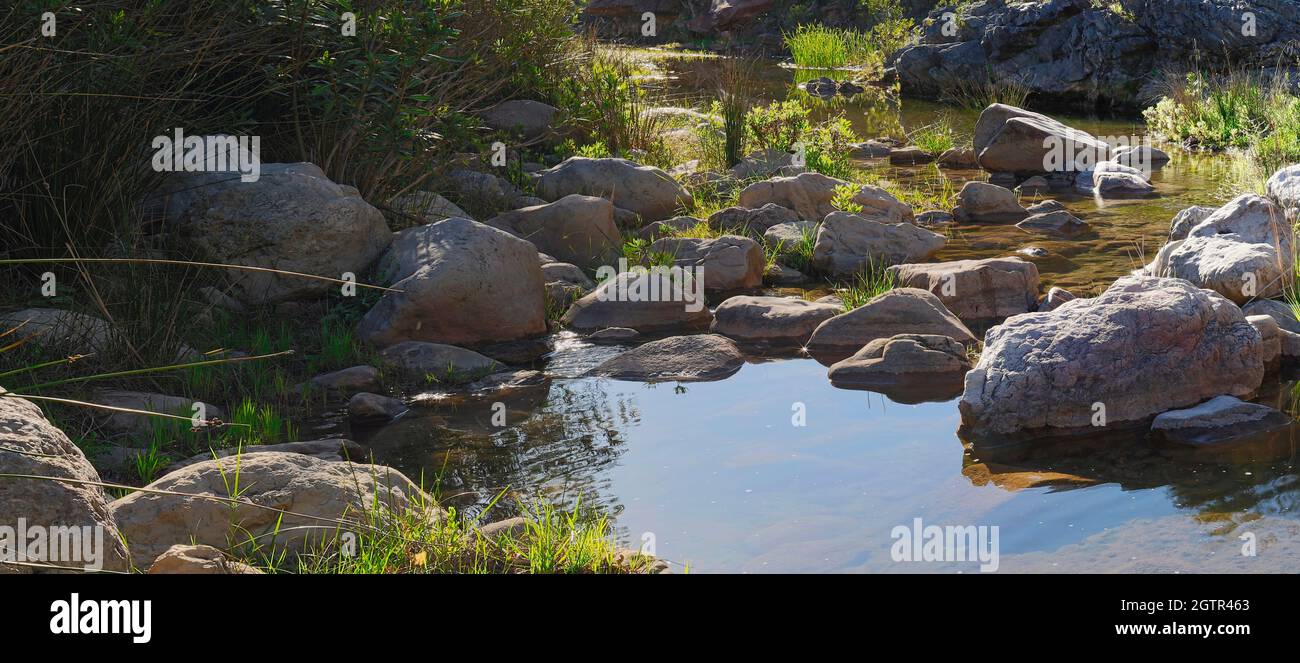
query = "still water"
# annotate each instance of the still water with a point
(728, 477)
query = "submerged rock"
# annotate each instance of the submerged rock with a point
(909, 368)
(1059, 222)
(1145, 346)
(420, 359)
(677, 358)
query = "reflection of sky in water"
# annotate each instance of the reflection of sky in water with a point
(724, 481)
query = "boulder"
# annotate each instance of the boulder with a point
(460, 282)
(725, 263)
(1284, 187)
(198, 560)
(353, 379)
(332, 449)
(899, 311)
(677, 358)
(979, 292)
(766, 164)
(289, 502)
(751, 221)
(614, 335)
(1243, 251)
(143, 424)
(1057, 223)
(1281, 312)
(872, 149)
(60, 330)
(958, 158)
(1270, 340)
(1110, 179)
(643, 190)
(1220, 420)
(574, 229)
(292, 218)
(30, 445)
(981, 201)
(909, 368)
(528, 118)
(1142, 157)
(1054, 298)
(772, 321)
(420, 359)
(787, 236)
(563, 272)
(374, 408)
(808, 194)
(1188, 218)
(777, 274)
(847, 244)
(647, 301)
(428, 207)
(1144, 346)
(668, 227)
(1013, 140)
(484, 190)
(910, 156)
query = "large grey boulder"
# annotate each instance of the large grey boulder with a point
(31, 446)
(979, 292)
(1013, 140)
(428, 207)
(847, 244)
(574, 229)
(646, 301)
(1144, 346)
(772, 321)
(292, 218)
(643, 190)
(1243, 250)
(290, 502)
(724, 263)
(899, 311)
(461, 282)
(678, 358)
